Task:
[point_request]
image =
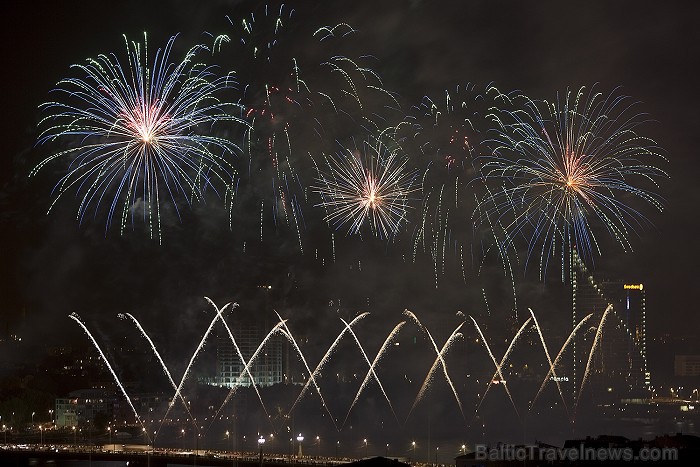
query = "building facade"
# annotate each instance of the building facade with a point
(83, 407)
(266, 368)
(618, 364)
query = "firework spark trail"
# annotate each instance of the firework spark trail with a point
(561, 166)
(371, 371)
(439, 360)
(273, 102)
(498, 365)
(549, 360)
(288, 334)
(326, 357)
(371, 368)
(448, 134)
(558, 357)
(502, 254)
(371, 187)
(596, 341)
(372, 82)
(160, 360)
(276, 329)
(246, 370)
(134, 133)
(75, 317)
(178, 390)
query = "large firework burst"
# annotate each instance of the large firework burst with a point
(369, 185)
(560, 171)
(139, 134)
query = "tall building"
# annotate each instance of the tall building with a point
(630, 348)
(619, 363)
(266, 369)
(250, 326)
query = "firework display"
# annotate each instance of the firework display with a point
(560, 170)
(293, 180)
(139, 134)
(445, 137)
(370, 185)
(481, 167)
(296, 104)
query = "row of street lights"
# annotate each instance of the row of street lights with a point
(51, 412)
(261, 441)
(300, 438)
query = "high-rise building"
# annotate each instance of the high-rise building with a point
(629, 344)
(251, 328)
(619, 363)
(266, 368)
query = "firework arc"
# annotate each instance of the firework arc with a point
(348, 331)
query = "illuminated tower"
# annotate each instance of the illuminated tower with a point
(620, 362)
(629, 301)
(586, 298)
(266, 370)
(250, 329)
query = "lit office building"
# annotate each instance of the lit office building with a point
(619, 364)
(250, 327)
(266, 369)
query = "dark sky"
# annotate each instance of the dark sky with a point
(51, 266)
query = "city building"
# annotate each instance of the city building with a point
(85, 407)
(686, 365)
(266, 369)
(618, 367)
(250, 327)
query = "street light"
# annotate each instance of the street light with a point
(41, 435)
(261, 441)
(4, 430)
(300, 438)
(413, 446)
(33, 413)
(365, 441)
(75, 437)
(387, 450)
(464, 449)
(337, 445)
(436, 454)
(109, 430)
(318, 446)
(183, 438)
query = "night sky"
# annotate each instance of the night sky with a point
(52, 266)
